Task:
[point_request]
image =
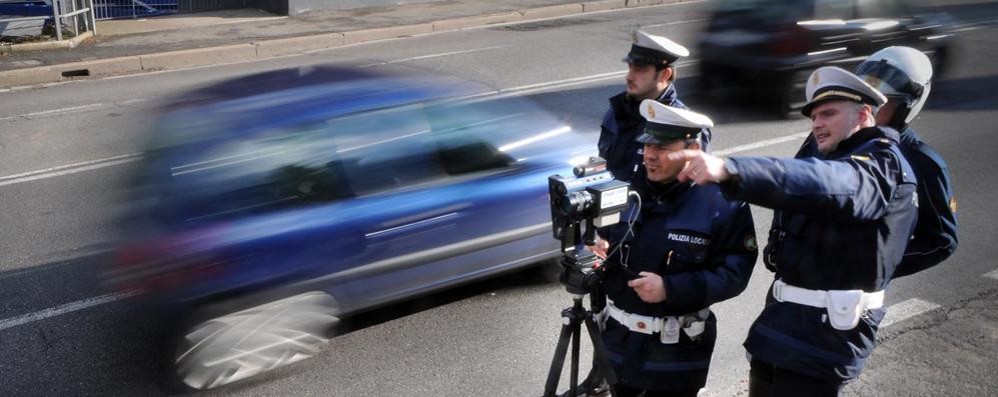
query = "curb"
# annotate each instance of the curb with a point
(51, 45)
(287, 46)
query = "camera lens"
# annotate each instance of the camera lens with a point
(579, 202)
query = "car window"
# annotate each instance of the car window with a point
(468, 134)
(383, 150)
(881, 8)
(834, 9)
(304, 164)
(760, 13)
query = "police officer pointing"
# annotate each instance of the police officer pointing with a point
(688, 248)
(904, 76)
(842, 220)
(651, 72)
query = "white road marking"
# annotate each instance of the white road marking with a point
(992, 274)
(438, 55)
(531, 88)
(68, 169)
(761, 144)
(71, 109)
(62, 309)
(673, 23)
(904, 310)
(74, 109)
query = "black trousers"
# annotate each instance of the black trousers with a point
(765, 380)
(625, 391)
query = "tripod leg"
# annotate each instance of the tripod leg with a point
(576, 339)
(558, 362)
(601, 363)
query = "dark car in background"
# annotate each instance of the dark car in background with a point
(766, 49)
(275, 204)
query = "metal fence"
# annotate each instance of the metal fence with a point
(117, 9)
(75, 13)
(67, 16)
(207, 5)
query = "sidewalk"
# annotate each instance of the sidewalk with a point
(188, 40)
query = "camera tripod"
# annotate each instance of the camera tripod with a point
(579, 284)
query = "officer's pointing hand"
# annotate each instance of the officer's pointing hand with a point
(649, 287)
(701, 168)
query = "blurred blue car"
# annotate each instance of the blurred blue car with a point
(272, 205)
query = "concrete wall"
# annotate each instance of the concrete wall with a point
(279, 7)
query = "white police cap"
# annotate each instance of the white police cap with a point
(666, 123)
(833, 83)
(654, 50)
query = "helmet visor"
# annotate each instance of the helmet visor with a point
(888, 79)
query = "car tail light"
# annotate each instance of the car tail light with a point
(790, 39)
(164, 264)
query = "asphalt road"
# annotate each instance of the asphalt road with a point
(66, 150)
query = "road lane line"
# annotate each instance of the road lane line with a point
(904, 310)
(68, 169)
(438, 55)
(531, 88)
(71, 109)
(655, 25)
(761, 144)
(992, 274)
(62, 309)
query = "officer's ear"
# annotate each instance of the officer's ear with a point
(866, 114)
(693, 144)
(666, 75)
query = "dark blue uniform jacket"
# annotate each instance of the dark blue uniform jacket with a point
(935, 233)
(622, 125)
(841, 223)
(704, 248)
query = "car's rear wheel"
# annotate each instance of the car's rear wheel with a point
(214, 351)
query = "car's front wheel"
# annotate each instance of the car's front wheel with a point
(219, 350)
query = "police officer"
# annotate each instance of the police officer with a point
(651, 72)
(687, 249)
(904, 75)
(842, 220)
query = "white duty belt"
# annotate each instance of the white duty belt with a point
(844, 307)
(668, 327)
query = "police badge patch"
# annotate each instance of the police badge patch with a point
(750, 243)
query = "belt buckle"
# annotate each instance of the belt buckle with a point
(642, 324)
